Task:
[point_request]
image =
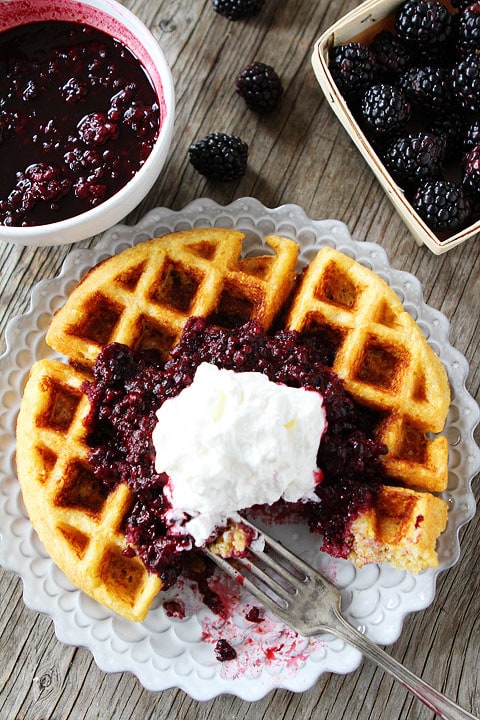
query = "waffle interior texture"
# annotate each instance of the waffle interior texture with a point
(143, 298)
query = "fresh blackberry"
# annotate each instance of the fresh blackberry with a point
(353, 68)
(471, 171)
(427, 87)
(414, 158)
(472, 135)
(259, 85)
(442, 204)
(385, 111)
(219, 156)
(466, 82)
(452, 126)
(425, 25)
(461, 4)
(237, 9)
(392, 57)
(468, 29)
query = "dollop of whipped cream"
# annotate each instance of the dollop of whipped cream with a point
(232, 440)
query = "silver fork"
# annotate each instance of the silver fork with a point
(303, 599)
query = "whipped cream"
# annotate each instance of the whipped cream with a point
(232, 440)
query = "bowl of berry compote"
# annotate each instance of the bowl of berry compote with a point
(86, 118)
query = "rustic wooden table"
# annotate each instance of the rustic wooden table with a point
(299, 155)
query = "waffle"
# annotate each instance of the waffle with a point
(384, 360)
(79, 523)
(401, 528)
(143, 298)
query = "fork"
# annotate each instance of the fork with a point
(303, 599)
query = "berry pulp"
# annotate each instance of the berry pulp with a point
(78, 118)
(128, 388)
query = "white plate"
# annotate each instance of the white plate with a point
(166, 652)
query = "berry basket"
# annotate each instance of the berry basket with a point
(361, 25)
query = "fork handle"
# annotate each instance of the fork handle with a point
(434, 700)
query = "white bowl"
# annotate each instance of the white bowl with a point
(362, 24)
(112, 18)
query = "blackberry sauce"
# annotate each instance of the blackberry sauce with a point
(224, 651)
(78, 118)
(129, 387)
(255, 615)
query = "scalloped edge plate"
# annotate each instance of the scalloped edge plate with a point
(164, 651)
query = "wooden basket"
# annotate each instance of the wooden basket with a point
(362, 24)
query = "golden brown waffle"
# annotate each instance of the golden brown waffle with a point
(384, 360)
(79, 523)
(401, 528)
(143, 297)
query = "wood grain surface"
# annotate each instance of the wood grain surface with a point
(300, 155)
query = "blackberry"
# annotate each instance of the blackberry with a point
(442, 204)
(237, 9)
(472, 135)
(414, 158)
(385, 110)
(466, 82)
(353, 68)
(425, 25)
(461, 4)
(259, 85)
(96, 129)
(219, 156)
(471, 171)
(392, 57)
(468, 29)
(224, 651)
(427, 87)
(452, 126)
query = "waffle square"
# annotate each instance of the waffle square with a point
(384, 360)
(144, 296)
(77, 520)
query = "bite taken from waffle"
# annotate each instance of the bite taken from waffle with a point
(133, 334)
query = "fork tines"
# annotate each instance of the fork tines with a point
(282, 582)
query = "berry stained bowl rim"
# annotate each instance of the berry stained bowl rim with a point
(363, 23)
(121, 23)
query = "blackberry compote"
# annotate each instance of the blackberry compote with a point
(78, 118)
(129, 387)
